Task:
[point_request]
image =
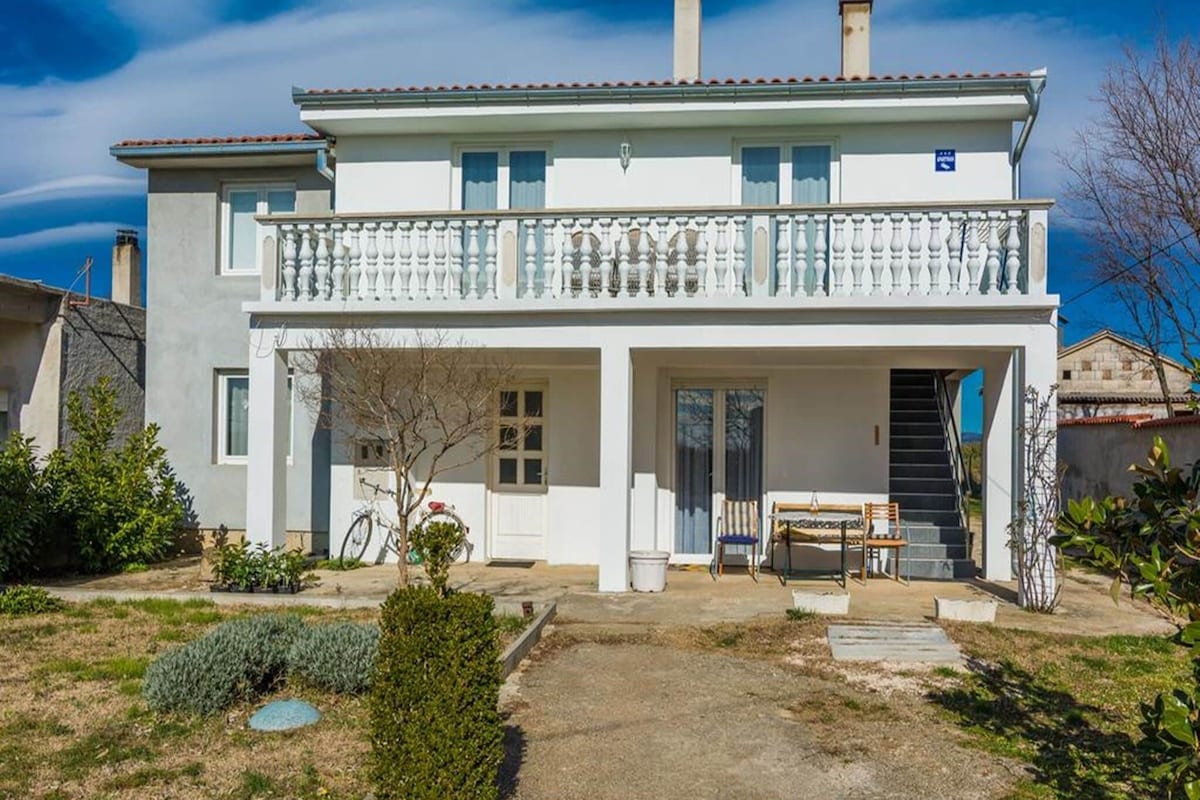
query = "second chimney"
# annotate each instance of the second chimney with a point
(687, 40)
(856, 37)
(127, 269)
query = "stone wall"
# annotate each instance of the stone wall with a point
(1097, 455)
(1108, 366)
(105, 339)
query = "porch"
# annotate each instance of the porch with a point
(636, 446)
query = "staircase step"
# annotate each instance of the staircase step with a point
(926, 502)
(904, 485)
(928, 416)
(935, 552)
(904, 429)
(918, 442)
(932, 534)
(940, 569)
(934, 472)
(949, 519)
(915, 456)
(914, 404)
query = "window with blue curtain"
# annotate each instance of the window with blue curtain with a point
(527, 190)
(760, 187)
(810, 186)
(480, 182)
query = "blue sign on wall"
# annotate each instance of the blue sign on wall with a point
(945, 160)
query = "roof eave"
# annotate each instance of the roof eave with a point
(306, 98)
(127, 152)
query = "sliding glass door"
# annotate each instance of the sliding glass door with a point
(718, 456)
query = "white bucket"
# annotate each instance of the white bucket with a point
(648, 570)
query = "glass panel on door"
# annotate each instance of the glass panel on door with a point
(744, 444)
(693, 470)
(760, 187)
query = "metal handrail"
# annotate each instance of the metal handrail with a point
(962, 474)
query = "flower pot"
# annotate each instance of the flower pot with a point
(965, 610)
(835, 604)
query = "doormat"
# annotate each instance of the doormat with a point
(515, 563)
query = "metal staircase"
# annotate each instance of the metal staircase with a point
(925, 476)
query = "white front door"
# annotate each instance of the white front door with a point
(517, 520)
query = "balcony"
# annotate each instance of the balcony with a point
(928, 255)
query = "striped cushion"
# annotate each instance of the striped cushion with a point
(737, 539)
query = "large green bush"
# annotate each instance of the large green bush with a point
(435, 728)
(234, 661)
(23, 505)
(338, 657)
(116, 505)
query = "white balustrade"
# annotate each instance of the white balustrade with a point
(684, 256)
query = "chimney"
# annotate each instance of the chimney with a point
(856, 37)
(127, 269)
(687, 40)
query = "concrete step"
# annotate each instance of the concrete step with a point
(937, 552)
(926, 442)
(913, 393)
(922, 415)
(917, 456)
(940, 569)
(892, 643)
(934, 472)
(926, 502)
(945, 519)
(907, 428)
(914, 404)
(906, 484)
(922, 533)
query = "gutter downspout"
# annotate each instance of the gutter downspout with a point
(323, 163)
(1037, 84)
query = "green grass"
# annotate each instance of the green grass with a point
(114, 743)
(109, 669)
(254, 786)
(800, 614)
(511, 624)
(1068, 706)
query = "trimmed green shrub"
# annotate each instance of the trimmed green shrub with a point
(337, 657)
(18, 601)
(232, 662)
(435, 729)
(24, 507)
(118, 505)
(437, 543)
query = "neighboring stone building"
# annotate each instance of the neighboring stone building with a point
(1107, 375)
(54, 342)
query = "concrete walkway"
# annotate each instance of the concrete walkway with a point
(692, 596)
(894, 644)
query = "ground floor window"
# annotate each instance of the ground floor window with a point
(233, 416)
(521, 454)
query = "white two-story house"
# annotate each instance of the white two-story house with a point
(749, 289)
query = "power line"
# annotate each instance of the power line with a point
(1125, 270)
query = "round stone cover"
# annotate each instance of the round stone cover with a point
(284, 715)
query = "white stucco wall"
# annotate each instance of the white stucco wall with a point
(30, 375)
(678, 168)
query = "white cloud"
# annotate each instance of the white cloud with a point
(54, 237)
(236, 78)
(77, 186)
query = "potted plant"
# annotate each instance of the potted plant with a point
(225, 558)
(291, 570)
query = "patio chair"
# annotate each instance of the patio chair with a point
(738, 525)
(876, 539)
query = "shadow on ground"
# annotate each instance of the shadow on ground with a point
(514, 754)
(1067, 751)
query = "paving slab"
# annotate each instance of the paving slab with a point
(908, 644)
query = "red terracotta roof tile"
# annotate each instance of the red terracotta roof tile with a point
(1168, 422)
(1116, 419)
(267, 139)
(663, 83)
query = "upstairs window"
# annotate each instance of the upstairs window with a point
(241, 236)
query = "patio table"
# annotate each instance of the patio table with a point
(828, 520)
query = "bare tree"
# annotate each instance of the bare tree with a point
(429, 401)
(1135, 188)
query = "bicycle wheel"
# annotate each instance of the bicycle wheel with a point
(446, 515)
(358, 536)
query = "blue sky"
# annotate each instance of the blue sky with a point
(79, 75)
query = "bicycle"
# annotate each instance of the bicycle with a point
(358, 535)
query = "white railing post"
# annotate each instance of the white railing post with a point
(289, 262)
(703, 285)
(422, 256)
(783, 252)
(585, 257)
(321, 261)
(568, 258)
(551, 278)
(974, 263)
(1012, 261)
(530, 260)
(858, 248)
(490, 250)
(387, 252)
(661, 249)
(306, 261)
(440, 272)
(643, 255)
(472, 259)
(820, 262)
(681, 257)
(371, 292)
(993, 251)
(455, 235)
(405, 252)
(954, 245)
(838, 282)
(801, 256)
(938, 282)
(914, 255)
(721, 251)
(896, 263)
(606, 255)
(338, 275)
(624, 248)
(1036, 265)
(877, 221)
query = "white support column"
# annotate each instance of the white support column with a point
(1040, 371)
(999, 435)
(616, 463)
(267, 446)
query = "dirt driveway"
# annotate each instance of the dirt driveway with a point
(647, 720)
